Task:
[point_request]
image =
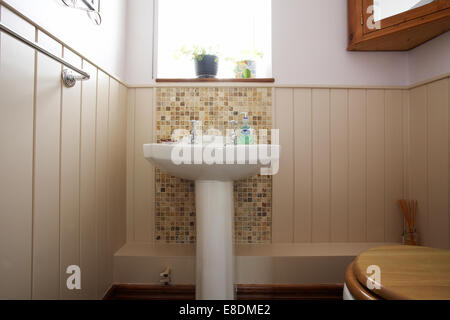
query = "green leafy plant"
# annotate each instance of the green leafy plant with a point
(197, 53)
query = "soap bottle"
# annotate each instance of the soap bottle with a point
(246, 132)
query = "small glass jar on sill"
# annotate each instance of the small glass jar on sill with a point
(410, 238)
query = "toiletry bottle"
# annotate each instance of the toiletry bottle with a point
(245, 132)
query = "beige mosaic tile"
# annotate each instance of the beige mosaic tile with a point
(175, 198)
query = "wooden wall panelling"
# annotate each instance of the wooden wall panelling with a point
(88, 212)
(339, 165)
(117, 166)
(70, 179)
(321, 227)
(348, 156)
(418, 160)
(121, 221)
(283, 182)
(357, 165)
(102, 181)
(144, 180)
(303, 165)
(112, 202)
(343, 165)
(17, 67)
(62, 200)
(375, 165)
(438, 162)
(130, 163)
(349, 164)
(394, 162)
(46, 251)
(406, 145)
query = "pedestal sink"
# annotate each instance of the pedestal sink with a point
(214, 168)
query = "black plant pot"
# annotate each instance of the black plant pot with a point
(207, 67)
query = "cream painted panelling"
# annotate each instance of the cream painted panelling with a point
(321, 164)
(88, 213)
(429, 160)
(131, 100)
(283, 182)
(117, 165)
(357, 101)
(342, 168)
(62, 172)
(101, 181)
(46, 174)
(376, 165)
(339, 161)
(418, 156)
(348, 156)
(70, 179)
(394, 161)
(303, 162)
(141, 175)
(343, 165)
(17, 70)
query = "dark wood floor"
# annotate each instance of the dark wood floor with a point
(244, 292)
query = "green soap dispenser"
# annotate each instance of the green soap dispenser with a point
(245, 132)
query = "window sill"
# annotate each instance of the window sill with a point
(256, 80)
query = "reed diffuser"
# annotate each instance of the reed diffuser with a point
(409, 211)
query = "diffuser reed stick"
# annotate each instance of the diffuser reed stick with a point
(409, 211)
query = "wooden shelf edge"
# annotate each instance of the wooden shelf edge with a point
(256, 80)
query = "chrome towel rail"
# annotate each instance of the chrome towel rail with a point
(69, 78)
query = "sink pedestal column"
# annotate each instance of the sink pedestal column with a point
(214, 257)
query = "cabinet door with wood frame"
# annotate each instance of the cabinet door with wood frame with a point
(395, 25)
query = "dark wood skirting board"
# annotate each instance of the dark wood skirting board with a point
(265, 80)
(150, 292)
(290, 292)
(244, 292)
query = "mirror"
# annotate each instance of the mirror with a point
(387, 8)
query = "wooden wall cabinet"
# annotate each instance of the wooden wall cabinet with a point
(398, 32)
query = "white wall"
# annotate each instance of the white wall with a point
(307, 36)
(430, 59)
(139, 44)
(104, 45)
(309, 47)
(309, 43)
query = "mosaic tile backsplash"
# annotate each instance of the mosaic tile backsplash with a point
(175, 198)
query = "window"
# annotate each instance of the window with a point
(237, 29)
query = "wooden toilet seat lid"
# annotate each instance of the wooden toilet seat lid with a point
(407, 272)
(357, 291)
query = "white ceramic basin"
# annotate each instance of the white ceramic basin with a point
(219, 163)
(214, 168)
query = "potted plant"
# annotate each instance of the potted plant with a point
(245, 65)
(206, 60)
